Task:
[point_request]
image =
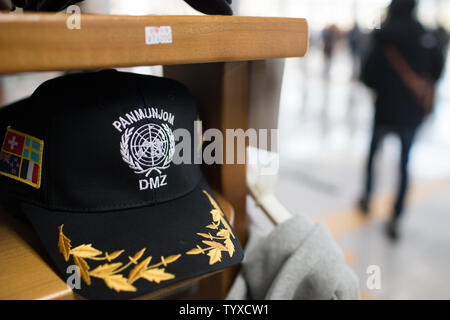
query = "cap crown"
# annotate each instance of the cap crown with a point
(109, 141)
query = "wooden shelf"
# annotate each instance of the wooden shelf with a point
(42, 42)
(26, 270)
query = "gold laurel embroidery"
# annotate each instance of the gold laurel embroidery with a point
(157, 275)
(105, 269)
(118, 283)
(215, 248)
(111, 273)
(137, 271)
(85, 251)
(84, 269)
(111, 256)
(64, 244)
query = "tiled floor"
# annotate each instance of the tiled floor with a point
(324, 135)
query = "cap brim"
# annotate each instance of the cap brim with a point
(125, 254)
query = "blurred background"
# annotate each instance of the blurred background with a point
(325, 127)
(325, 123)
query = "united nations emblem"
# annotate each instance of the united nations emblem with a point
(149, 148)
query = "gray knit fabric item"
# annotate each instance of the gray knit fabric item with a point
(298, 260)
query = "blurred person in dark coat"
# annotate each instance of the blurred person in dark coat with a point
(355, 42)
(330, 36)
(401, 66)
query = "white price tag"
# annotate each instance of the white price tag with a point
(157, 35)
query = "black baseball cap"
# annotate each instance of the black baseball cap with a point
(87, 159)
(213, 7)
(44, 5)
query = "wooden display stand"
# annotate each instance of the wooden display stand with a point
(42, 42)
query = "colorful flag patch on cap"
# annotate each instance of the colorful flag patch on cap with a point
(21, 157)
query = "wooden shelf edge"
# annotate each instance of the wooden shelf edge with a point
(42, 42)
